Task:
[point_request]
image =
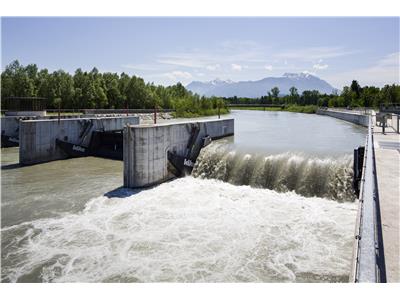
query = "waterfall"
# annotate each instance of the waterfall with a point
(308, 176)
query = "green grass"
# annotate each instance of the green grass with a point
(308, 109)
(64, 113)
(200, 113)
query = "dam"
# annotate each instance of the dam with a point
(269, 204)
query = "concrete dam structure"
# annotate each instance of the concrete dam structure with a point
(148, 149)
(353, 117)
(377, 247)
(38, 138)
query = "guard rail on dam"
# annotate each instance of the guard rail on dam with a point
(368, 264)
(368, 253)
(150, 152)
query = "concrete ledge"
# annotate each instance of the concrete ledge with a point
(145, 148)
(39, 113)
(37, 137)
(355, 118)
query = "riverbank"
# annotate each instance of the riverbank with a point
(308, 109)
(200, 113)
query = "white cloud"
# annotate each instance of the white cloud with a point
(181, 61)
(268, 67)
(140, 67)
(214, 58)
(315, 53)
(236, 67)
(177, 75)
(213, 67)
(320, 66)
(384, 71)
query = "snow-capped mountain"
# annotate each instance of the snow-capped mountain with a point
(253, 89)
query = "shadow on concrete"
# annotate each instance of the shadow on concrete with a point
(123, 192)
(12, 166)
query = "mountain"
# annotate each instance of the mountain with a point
(258, 88)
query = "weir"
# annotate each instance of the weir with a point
(157, 153)
(48, 140)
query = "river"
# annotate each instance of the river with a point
(271, 204)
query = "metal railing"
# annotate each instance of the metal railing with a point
(368, 254)
(354, 111)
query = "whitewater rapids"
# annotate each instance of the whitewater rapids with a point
(186, 230)
(322, 177)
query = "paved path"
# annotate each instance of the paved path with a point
(387, 158)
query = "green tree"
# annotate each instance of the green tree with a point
(294, 95)
(355, 88)
(275, 93)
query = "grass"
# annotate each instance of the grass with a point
(200, 113)
(64, 113)
(308, 109)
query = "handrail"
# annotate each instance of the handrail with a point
(368, 259)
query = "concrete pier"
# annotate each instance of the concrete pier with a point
(146, 147)
(387, 160)
(38, 137)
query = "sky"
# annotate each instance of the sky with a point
(167, 50)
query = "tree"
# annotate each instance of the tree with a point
(355, 88)
(294, 95)
(275, 92)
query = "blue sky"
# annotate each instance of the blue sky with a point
(167, 50)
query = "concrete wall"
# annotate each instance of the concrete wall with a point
(145, 148)
(10, 126)
(356, 118)
(394, 122)
(37, 137)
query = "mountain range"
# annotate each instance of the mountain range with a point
(254, 89)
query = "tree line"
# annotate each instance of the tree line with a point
(351, 96)
(118, 91)
(101, 90)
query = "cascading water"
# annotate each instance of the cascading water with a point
(329, 177)
(246, 217)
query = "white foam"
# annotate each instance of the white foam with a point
(187, 230)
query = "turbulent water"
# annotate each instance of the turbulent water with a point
(272, 204)
(322, 177)
(187, 230)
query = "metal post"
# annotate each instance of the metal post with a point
(155, 114)
(59, 113)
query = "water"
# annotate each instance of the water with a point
(277, 132)
(69, 221)
(322, 177)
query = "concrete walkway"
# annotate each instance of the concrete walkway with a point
(387, 158)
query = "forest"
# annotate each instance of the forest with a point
(102, 90)
(350, 97)
(94, 89)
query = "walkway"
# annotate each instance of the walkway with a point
(387, 159)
